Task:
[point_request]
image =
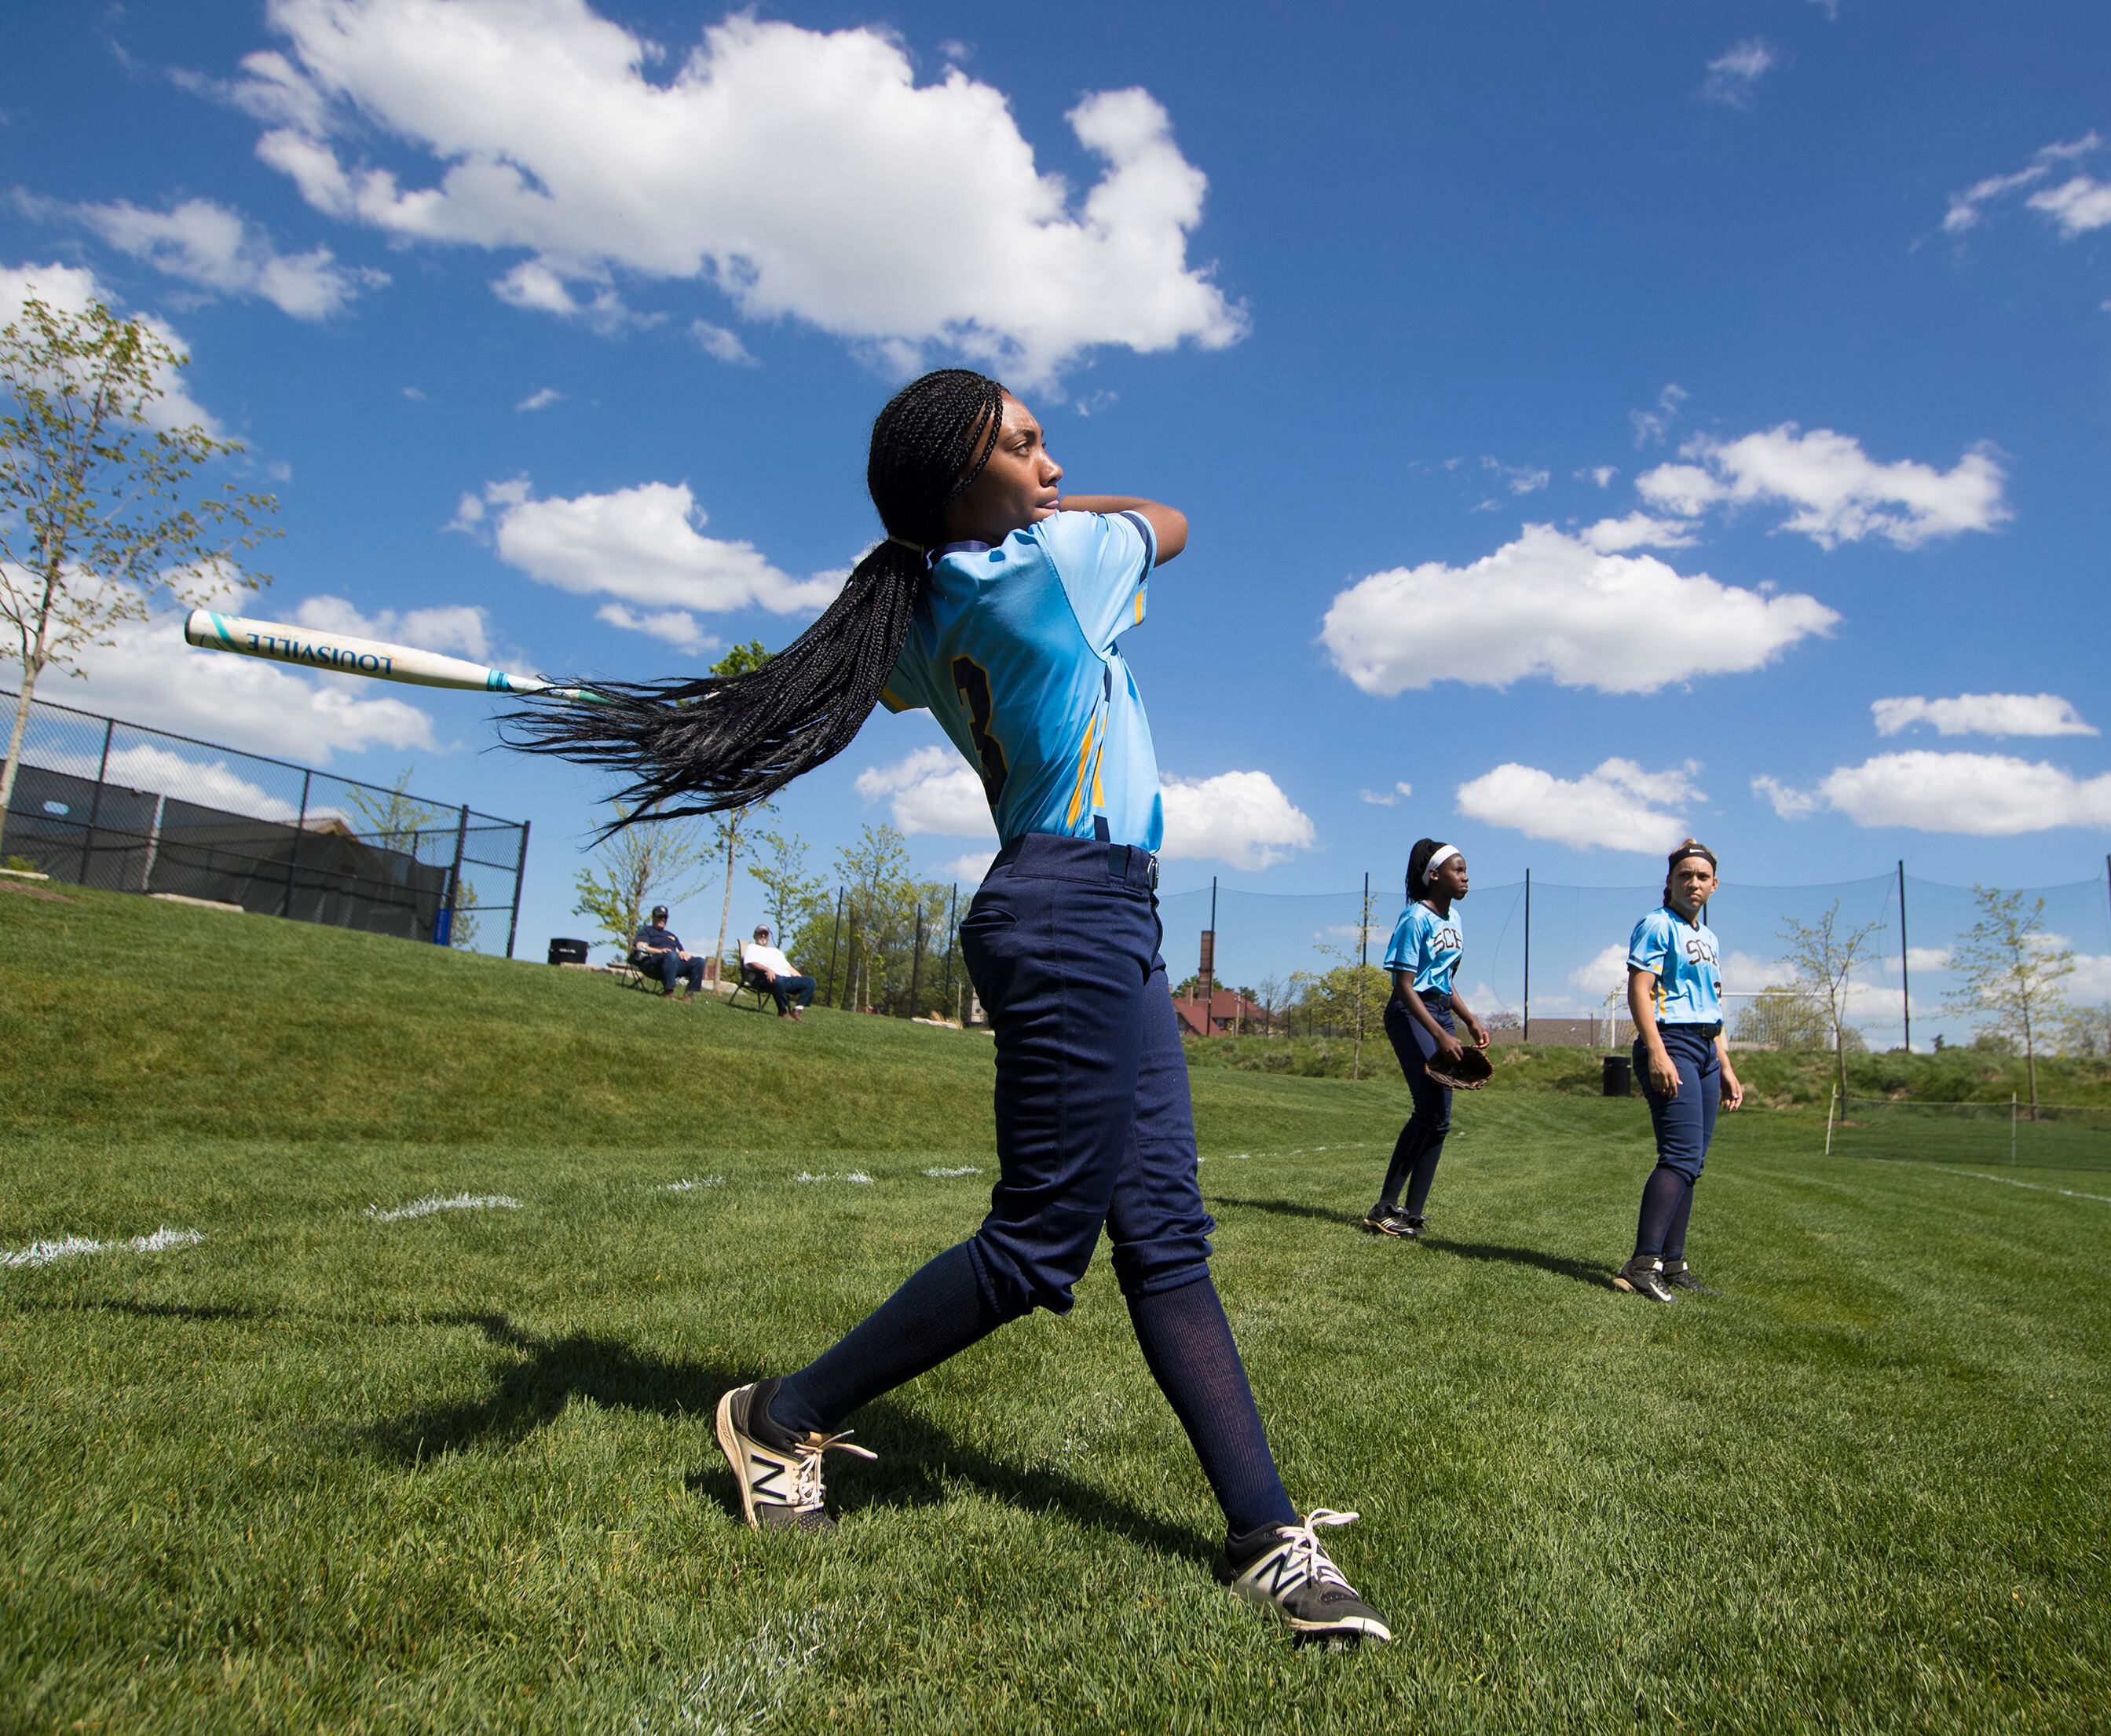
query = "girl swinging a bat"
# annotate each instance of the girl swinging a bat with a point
(1421, 1020)
(997, 603)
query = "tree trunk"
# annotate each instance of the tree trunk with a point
(14, 735)
(2030, 1062)
(725, 909)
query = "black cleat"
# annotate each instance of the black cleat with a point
(1679, 1275)
(1643, 1276)
(1384, 1220)
(778, 1472)
(1283, 1569)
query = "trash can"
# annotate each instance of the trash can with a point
(1619, 1076)
(568, 952)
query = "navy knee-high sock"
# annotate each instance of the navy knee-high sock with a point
(1402, 1166)
(938, 1313)
(1674, 1238)
(1188, 1343)
(1663, 1195)
(1425, 1173)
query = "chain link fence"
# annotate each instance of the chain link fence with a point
(1546, 962)
(99, 802)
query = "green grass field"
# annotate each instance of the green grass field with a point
(330, 1467)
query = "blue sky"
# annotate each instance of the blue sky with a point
(1607, 422)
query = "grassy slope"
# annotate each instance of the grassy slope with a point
(455, 1472)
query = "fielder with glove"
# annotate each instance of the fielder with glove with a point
(1421, 1020)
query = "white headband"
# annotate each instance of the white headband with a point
(1438, 861)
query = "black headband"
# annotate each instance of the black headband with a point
(1692, 848)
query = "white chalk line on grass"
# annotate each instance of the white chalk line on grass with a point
(73, 1247)
(432, 1202)
(2036, 1187)
(690, 1184)
(940, 1174)
(857, 1176)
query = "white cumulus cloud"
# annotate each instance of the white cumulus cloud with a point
(642, 545)
(1982, 795)
(1617, 806)
(931, 789)
(206, 244)
(1983, 714)
(676, 626)
(1837, 492)
(540, 399)
(1551, 605)
(2077, 205)
(795, 172)
(1735, 74)
(460, 628)
(1638, 530)
(1239, 818)
(1387, 798)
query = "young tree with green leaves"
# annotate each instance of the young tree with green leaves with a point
(2010, 972)
(729, 828)
(667, 858)
(101, 511)
(1822, 955)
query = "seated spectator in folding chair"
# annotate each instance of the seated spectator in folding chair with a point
(657, 954)
(793, 992)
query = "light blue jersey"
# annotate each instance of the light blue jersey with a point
(1684, 957)
(1428, 945)
(1012, 650)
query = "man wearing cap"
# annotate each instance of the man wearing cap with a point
(794, 992)
(659, 953)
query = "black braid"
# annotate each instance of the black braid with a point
(703, 744)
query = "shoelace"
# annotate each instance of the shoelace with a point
(807, 1478)
(1309, 1558)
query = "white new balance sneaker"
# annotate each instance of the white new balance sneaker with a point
(778, 1472)
(1282, 1568)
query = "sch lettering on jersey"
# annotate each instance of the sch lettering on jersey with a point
(1700, 949)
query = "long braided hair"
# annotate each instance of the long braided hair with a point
(700, 745)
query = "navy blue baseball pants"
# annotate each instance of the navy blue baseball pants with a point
(1094, 1126)
(1421, 1142)
(1686, 1123)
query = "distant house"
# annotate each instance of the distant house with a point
(1220, 1015)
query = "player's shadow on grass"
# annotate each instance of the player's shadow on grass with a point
(918, 1462)
(1598, 1277)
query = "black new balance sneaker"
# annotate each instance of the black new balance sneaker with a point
(1384, 1220)
(1282, 1568)
(1679, 1275)
(1643, 1276)
(778, 1472)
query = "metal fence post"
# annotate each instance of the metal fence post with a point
(952, 933)
(293, 855)
(916, 965)
(443, 927)
(1526, 1036)
(95, 802)
(835, 934)
(1905, 984)
(519, 878)
(2012, 1128)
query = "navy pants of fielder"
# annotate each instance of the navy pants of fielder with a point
(670, 968)
(790, 989)
(1683, 1125)
(1421, 1142)
(1094, 1133)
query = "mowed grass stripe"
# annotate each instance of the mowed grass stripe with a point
(455, 1472)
